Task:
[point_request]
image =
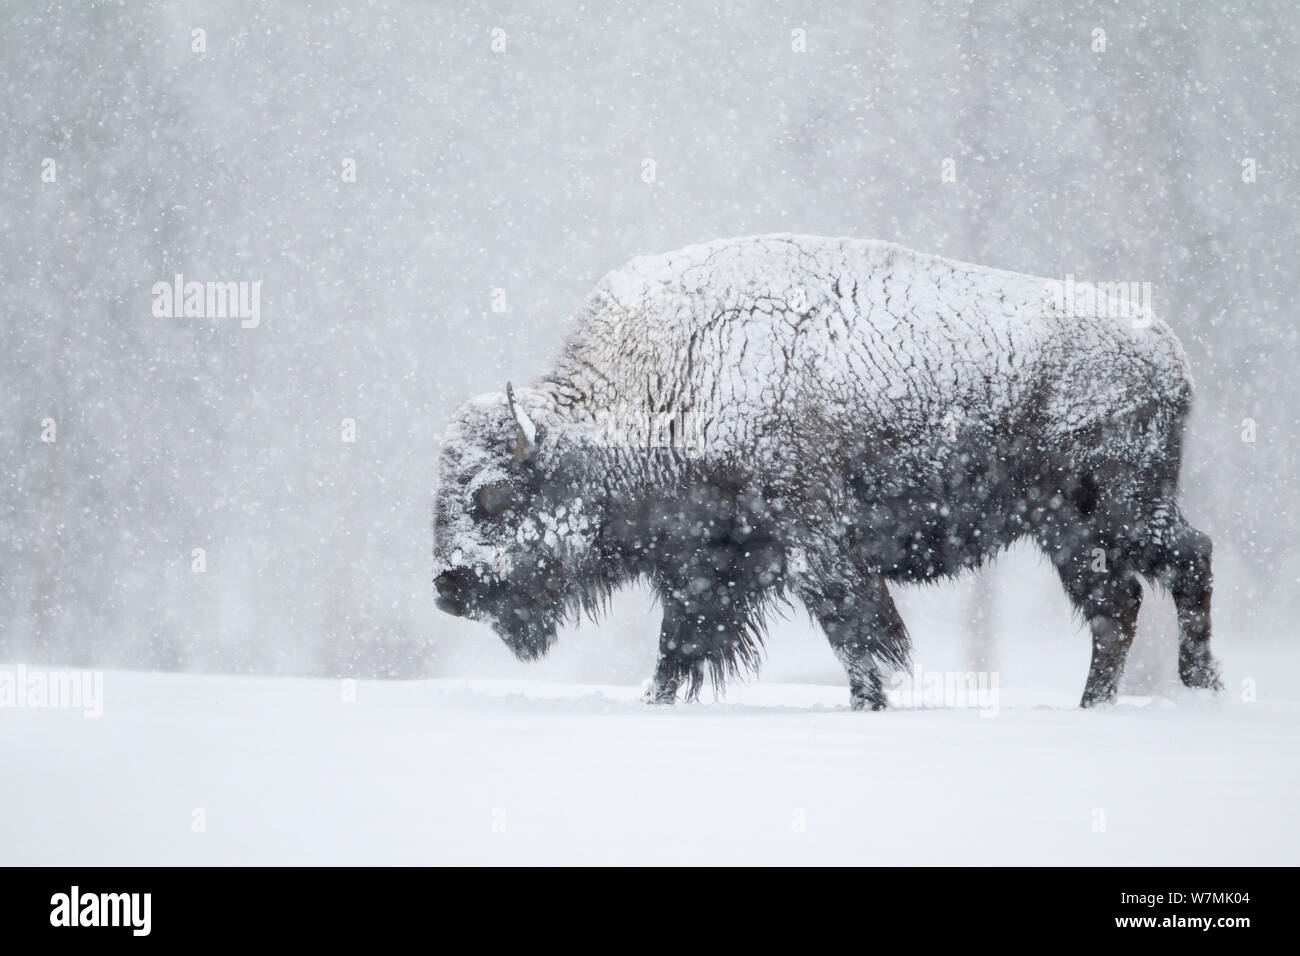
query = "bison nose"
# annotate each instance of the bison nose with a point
(452, 592)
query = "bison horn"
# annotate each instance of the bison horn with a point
(525, 430)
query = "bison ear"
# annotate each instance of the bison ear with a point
(525, 430)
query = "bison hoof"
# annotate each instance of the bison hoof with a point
(653, 694)
(1200, 672)
(1097, 698)
(867, 702)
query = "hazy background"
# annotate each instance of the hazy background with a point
(525, 171)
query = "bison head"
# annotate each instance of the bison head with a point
(507, 530)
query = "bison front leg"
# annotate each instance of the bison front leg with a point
(680, 659)
(862, 624)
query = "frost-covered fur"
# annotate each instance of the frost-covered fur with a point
(860, 413)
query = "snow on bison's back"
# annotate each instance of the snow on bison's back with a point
(796, 416)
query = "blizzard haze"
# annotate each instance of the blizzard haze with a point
(234, 520)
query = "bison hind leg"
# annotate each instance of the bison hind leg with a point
(1177, 556)
(1097, 573)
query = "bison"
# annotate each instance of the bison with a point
(859, 414)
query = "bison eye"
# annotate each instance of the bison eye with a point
(493, 499)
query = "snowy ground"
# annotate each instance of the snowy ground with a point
(286, 771)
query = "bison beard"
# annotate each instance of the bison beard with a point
(868, 415)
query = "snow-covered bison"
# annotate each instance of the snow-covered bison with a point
(760, 419)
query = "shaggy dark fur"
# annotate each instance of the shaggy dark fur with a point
(716, 547)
